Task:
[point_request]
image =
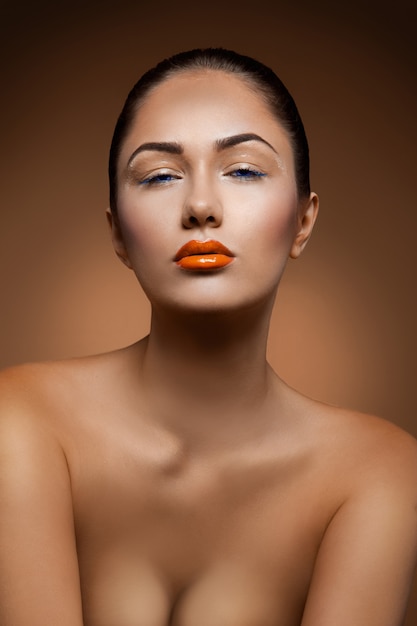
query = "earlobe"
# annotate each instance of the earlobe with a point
(117, 238)
(306, 217)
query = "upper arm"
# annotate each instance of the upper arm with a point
(367, 557)
(39, 581)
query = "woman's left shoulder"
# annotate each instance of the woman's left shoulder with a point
(367, 555)
(379, 450)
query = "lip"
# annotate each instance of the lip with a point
(203, 255)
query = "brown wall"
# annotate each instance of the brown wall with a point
(344, 329)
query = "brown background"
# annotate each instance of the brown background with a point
(344, 325)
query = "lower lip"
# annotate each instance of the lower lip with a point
(204, 262)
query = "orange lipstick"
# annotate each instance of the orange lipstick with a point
(203, 255)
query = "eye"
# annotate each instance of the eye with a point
(246, 173)
(158, 179)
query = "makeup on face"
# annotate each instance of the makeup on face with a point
(207, 197)
(173, 147)
(221, 145)
(203, 256)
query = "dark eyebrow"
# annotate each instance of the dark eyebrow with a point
(171, 147)
(234, 140)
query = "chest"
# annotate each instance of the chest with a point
(227, 593)
(166, 544)
(187, 512)
(166, 541)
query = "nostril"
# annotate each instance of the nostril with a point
(193, 217)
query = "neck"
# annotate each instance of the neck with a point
(200, 369)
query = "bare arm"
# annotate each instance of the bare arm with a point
(39, 581)
(366, 562)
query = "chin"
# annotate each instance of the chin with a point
(215, 304)
(211, 295)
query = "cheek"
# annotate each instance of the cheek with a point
(271, 224)
(268, 236)
(279, 227)
(144, 228)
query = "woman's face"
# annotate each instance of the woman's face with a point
(207, 165)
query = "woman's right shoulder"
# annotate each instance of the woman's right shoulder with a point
(26, 402)
(28, 386)
(36, 522)
(37, 385)
(40, 395)
(52, 393)
(21, 386)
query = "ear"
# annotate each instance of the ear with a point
(307, 214)
(117, 238)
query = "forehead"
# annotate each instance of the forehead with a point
(200, 106)
(214, 86)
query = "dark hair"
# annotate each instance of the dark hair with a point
(257, 75)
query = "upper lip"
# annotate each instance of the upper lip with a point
(202, 247)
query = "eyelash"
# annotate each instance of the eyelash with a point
(241, 173)
(158, 179)
(246, 173)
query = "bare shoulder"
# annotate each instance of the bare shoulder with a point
(28, 409)
(371, 466)
(30, 387)
(21, 391)
(354, 451)
(31, 384)
(370, 450)
(56, 397)
(29, 440)
(37, 523)
(41, 410)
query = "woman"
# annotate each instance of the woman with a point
(179, 481)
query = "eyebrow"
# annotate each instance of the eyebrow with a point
(234, 140)
(173, 147)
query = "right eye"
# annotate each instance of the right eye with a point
(158, 179)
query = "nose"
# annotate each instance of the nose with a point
(202, 205)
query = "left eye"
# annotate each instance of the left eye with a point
(245, 173)
(158, 179)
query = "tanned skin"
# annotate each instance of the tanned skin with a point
(179, 481)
